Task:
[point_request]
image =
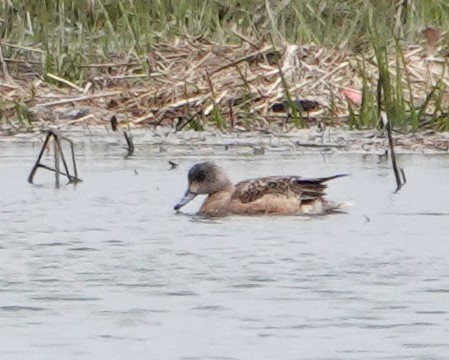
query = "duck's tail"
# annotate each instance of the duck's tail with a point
(328, 178)
(333, 207)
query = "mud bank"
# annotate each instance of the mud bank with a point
(304, 141)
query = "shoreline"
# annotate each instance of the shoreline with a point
(304, 141)
(205, 85)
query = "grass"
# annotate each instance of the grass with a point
(73, 32)
(69, 34)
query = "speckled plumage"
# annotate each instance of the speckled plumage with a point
(276, 195)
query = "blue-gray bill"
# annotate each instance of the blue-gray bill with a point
(189, 196)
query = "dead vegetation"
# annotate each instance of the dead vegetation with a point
(199, 83)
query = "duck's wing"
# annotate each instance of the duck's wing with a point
(289, 186)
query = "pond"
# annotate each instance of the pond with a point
(107, 270)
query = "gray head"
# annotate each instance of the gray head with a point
(204, 178)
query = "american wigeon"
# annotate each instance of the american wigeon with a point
(276, 195)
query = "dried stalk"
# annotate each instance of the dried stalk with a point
(58, 156)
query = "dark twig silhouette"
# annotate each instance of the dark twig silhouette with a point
(58, 157)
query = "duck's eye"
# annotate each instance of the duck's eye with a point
(200, 176)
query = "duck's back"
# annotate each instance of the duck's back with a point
(280, 195)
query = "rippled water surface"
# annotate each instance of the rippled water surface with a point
(106, 269)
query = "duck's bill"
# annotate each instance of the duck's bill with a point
(188, 197)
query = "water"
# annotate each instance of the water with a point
(106, 269)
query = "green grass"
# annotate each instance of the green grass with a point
(73, 33)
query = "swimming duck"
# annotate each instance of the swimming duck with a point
(276, 195)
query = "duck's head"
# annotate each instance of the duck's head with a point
(204, 178)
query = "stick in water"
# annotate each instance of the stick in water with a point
(397, 172)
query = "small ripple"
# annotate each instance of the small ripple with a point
(357, 272)
(138, 285)
(46, 280)
(288, 259)
(53, 244)
(264, 262)
(262, 279)
(115, 242)
(264, 335)
(327, 275)
(437, 291)
(307, 326)
(82, 248)
(134, 311)
(209, 308)
(90, 229)
(386, 283)
(10, 283)
(250, 320)
(181, 293)
(358, 351)
(53, 345)
(421, 214)
(145, 311)
(65, 298)
(393, 326)
(208, 358)
(188, 253)
(305, 254)
(246, 286)
(49, 266)
(436, 312)
(364, 318)
(423, 345)
(14, 308)
(113, 337)
(391, 307)
(296, 287)
(332, 292)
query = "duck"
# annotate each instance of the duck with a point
(272, 195)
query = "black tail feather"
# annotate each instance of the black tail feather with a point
(316, 181)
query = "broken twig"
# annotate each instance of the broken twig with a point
(58, 156)
(129, 141)
(399, 174)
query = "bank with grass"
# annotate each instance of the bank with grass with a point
(236, 65)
